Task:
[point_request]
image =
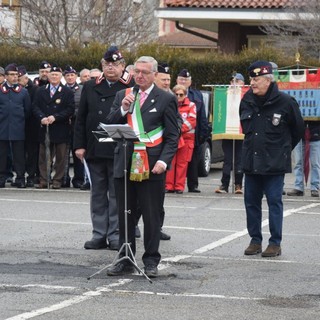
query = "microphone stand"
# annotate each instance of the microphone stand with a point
(126, 245)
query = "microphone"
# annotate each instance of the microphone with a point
(135, 91)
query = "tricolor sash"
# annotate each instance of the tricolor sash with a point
(140, 165)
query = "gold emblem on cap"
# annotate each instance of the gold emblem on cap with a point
(256, 71)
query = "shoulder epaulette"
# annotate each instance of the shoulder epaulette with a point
(126, 77)
(100, 79)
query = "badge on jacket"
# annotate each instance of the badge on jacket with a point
(276, 119)
(58, 101)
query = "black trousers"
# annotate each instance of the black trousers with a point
(192, 172)
(149, 195)
(17, 147)
(227, 147)
(32, 156)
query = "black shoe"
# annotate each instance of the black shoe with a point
(137, 232)
(30, 184)
(179, 192)
(77, 184)
(85, 186)
(195, 190)
(96, 244)
(9, 179)
(120, 269)
(113, 245)
(151, 270)
(20, 183)
(284, 193)
(169, 191)
(2, 184)
(65, 184)
(295, 193)
(164, 236)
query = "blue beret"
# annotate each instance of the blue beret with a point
(113, 54)
(237, 76)
(22, 71)
(69, 69)
(184, 73)
(55, 68)
(44, 65)
(163, 68)
(11, 67)
(260, 68)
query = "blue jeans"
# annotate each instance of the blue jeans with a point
(314, 175)
(272, 187)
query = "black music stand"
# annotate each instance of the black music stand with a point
(124, 133)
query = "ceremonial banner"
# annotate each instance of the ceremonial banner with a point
(307, 95)
(226, 121)
(302, 84)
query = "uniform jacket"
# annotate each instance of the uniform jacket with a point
(159, 109)
(271, 132)
(15, 107)
(202, 121)
(61, 106)
(39, 83)
(32, 123)
(95, 104)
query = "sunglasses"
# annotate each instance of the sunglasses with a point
(180, 95)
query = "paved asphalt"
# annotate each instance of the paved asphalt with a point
(204, 274)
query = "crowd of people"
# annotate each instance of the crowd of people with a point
(43, 121)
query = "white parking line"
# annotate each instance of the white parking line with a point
(67, 303)
(109, 288)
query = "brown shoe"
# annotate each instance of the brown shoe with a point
(42, 185)
(56, 186)
(238, 189)
(253, 249)
(271, 251)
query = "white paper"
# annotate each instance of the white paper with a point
(86, 169)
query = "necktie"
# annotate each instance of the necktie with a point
(143, 97)
(52, 91)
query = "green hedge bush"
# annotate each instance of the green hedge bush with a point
(213, 67)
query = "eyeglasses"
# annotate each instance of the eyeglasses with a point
(180, 95)
(110, 64)
(143, 72)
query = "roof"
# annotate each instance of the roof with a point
(245, 4)
(186, 40)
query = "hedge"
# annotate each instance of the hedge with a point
(211, 68)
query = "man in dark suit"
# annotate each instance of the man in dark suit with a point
(53, 106)
(156, 111)
(96, 100)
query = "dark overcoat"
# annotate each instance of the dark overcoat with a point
(61, 106)
(15, 107)
(95, 104)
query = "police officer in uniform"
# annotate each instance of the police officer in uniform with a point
(53, 106)
(95, 104)
(70, 75)
(44, 70)
(184, 78)
(15, 107)
(31, 132)
(272, 124)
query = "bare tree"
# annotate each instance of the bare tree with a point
(60, 23)
(301, 31)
